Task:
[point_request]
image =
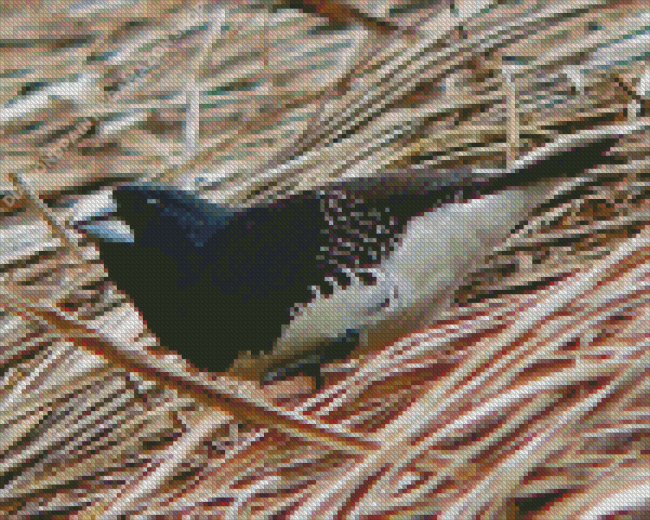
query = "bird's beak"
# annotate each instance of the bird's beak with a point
(108, 230)
(95, 216)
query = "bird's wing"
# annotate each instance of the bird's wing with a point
(438, 251)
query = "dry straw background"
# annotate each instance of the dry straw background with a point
(530, 400)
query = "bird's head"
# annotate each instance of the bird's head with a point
(160, 214)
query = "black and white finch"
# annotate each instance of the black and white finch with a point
(213, 281)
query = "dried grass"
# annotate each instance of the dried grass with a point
(533, 386)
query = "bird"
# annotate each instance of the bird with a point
(213, 281)
(255, 292)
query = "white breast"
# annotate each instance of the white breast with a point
(438, 252)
